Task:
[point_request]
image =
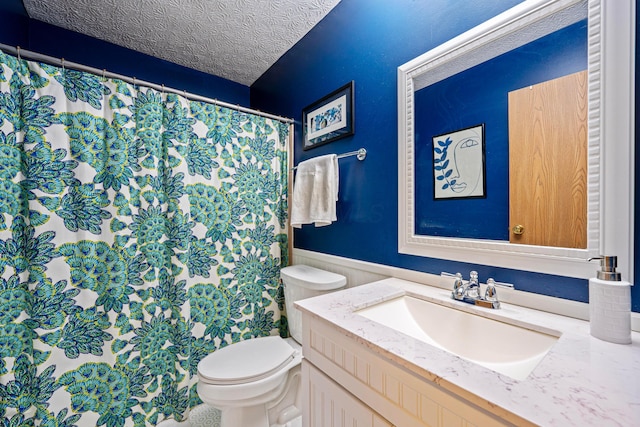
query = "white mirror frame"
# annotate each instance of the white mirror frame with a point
(611, 33)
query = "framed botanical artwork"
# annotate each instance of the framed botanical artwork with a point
(459, 164)
(329, 118)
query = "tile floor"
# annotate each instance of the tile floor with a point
(200, 416)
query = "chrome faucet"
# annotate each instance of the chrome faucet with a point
(470, 291)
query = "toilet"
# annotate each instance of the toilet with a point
(256, 382)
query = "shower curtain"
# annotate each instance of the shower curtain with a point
(139, 231)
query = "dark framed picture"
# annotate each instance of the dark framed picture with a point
(329, 118)
(459, 164)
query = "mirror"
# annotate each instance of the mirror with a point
(611, 32)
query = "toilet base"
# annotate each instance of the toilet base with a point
(248, 416)
(283, 411)
(296, 422)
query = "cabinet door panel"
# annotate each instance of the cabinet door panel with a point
(328, 404)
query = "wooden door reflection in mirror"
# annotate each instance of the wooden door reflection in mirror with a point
(548, 163)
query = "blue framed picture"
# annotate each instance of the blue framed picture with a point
(329, 118)
(459, 164)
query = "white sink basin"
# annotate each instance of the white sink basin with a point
(506, 348)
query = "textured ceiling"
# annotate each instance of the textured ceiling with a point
(234, 39)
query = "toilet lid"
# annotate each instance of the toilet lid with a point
(246, 361)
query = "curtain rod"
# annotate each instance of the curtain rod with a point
(21, 53)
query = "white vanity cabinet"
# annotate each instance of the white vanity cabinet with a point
(343, 381)
(404, 381)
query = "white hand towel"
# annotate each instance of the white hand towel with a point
(315, 192)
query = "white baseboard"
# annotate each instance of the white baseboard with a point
(360, 272)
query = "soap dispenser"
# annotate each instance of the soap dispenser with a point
(610, 303)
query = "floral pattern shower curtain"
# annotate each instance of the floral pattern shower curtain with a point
(139, 231)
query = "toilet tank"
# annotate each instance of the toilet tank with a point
(300, 282)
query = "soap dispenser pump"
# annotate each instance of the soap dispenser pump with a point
(610, 303)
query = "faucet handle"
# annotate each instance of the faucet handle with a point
(445, 274)
(502, 284)
(491, 294)
(458, 285)
(458, 288)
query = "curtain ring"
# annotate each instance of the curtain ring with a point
(18, 48)
(104, 74)
(62, 60)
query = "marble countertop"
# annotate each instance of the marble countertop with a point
(582, 381)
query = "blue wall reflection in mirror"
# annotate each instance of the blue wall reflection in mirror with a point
(461, 101)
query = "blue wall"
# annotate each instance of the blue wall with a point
(16, 29)
(365, 41)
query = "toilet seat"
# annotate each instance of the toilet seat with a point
(246, 361)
